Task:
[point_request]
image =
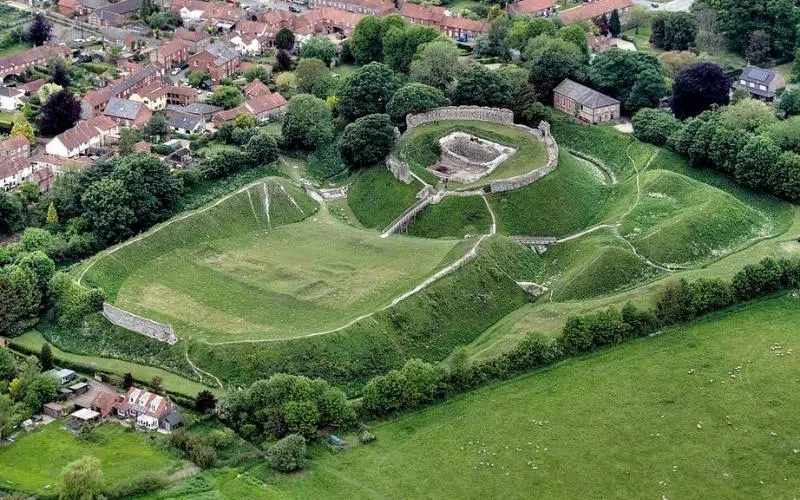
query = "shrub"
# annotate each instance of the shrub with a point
(757, 279)
(139, 485)
(654, 126)
(203, 455)
(367, 437)
(301, 418)
(533, 351)
(288, 454)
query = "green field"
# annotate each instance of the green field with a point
(233, 273)
(419, 148)
(33, 463)
(631, 420)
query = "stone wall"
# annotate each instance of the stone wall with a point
(138, 324)
(399, 169)
(484, 114)
(543, 133)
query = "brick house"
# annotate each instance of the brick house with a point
(198, 40)
(127, 113)
(171, 54)
(453, 26)
(16, 146)
(584, 103)
(115, 14)
(84, 135)
(256, 88)
(17, 63)
(532, 7)
(366, 7)
(220, 60)
(589, 11)
(151, 411)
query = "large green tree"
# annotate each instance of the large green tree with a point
(107, 210)
(414, 98)
(318, 47)
(81, 480)
(368, 90)
(367, 140)
(366, 41)
(480, 86)
(227, 97)
(551, 60)
(437, 64)
(308, 72)
(400, 45)
(307, 123)
(616, 71)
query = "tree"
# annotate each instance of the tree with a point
(8, 367)
(759, 47)
(157, 128)
(283, 61)
(308, 71)
(699, 87)
(127, 381)
(59, 73)
(480, 86)
(551, 60)
(257, 73)
(674, 61)
(205, 401)
(616, 71)
(749, 115)
(647, 91)
(614, 26)
(227, 97)
(157, 384)
(196, 78)
(52, 214)
(494, 43)
(576, 35)
(755, 161)
(367, 91)
(284, 40)
(59, 113)
(46, 357)
(366, 43)
(21, 299)
(152, 189)
(24, 128)
(437, 65)
(673, 31)
(11, 213)
(789, 103)
(523, 28)
(414, 98)
(288, 454)
(106, 210)
(262, 149)
(307, 122)
(41, 265)
(367, 140)
(81, 480)
(128, 137)
(39, 30)
(145, 10)
(301, 418)
(318, 47)
(400, 44)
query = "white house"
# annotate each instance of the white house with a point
(13, 171)
(81, 137)
(246, 45)
(10, 98)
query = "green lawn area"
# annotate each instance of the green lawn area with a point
(217, 147)
(420, 148)
(343, 70)
(660, 417)
(33, 341)
(237, 272)
(12, 49)
(35, 460)
(377, 198)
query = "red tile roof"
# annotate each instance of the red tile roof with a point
(9, 167)
(531, 6)
(61, 162)
(417, 12)
(264, 103)
(33, 55)
(256, 88)
(96, 97)
(174, 46)
(191, 36)
(592, 10)
(33, 86)
(463, 23)
(14, 142)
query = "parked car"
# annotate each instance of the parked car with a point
(294, 9)
(92, 39)
(175, 71)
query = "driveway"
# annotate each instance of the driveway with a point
(673, 6)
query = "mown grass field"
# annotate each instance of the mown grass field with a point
(420, 148)
(233, 273)
(632, 420)
(35, 460)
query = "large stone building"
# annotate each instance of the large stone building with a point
(584, 103)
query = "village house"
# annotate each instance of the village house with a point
(185, 123)
(256, 88)
(219, 15)
(16, 146)
(181, 95)
(126, 39)
(150, 410)
(760, 83)
(171, 54)
(94, 101)
(83, 136)
(53, 410)
(154, 96)
(13, 171)
(78, 8)
(532, 7)
(106, 403)
(365, 7)
(44, 178)
(584, 103)
(206, 111)
(198, 40)
(115, 14)
(589, 11)
(264, 108)
(455, 27)
(16, 64)
(127, 113)
(32, 86)
(220, 60)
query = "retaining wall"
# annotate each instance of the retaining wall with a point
(398, 169)
(480, 113)
(543, 134)
(138, 324)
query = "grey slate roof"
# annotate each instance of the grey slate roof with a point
(223, 52)
(123, 7)
(133, 80)
(9, 92)
(185, 121)
(584, 95)
(757, 75)
(174, 418)
(122, 108)
(95, 4)
(197, 108)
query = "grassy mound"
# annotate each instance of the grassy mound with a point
(568, 199)
(454, 216)
(630, 418)
(420, 148)
(682, 221)
(429, 325)
(377, 198)
(238, 271)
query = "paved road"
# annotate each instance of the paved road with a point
(673, 6)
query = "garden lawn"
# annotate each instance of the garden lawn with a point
(35, 460)
(656, 418)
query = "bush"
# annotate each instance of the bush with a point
(758, 279)
(288, 454)
(367, 140)
(203, 455)
(533, 351)
(301, 418)
(654, 126)
(139, 485)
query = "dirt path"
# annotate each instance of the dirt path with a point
(200, 372)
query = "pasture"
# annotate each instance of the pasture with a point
(707, 407)
(263, 264)
(33, 463)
